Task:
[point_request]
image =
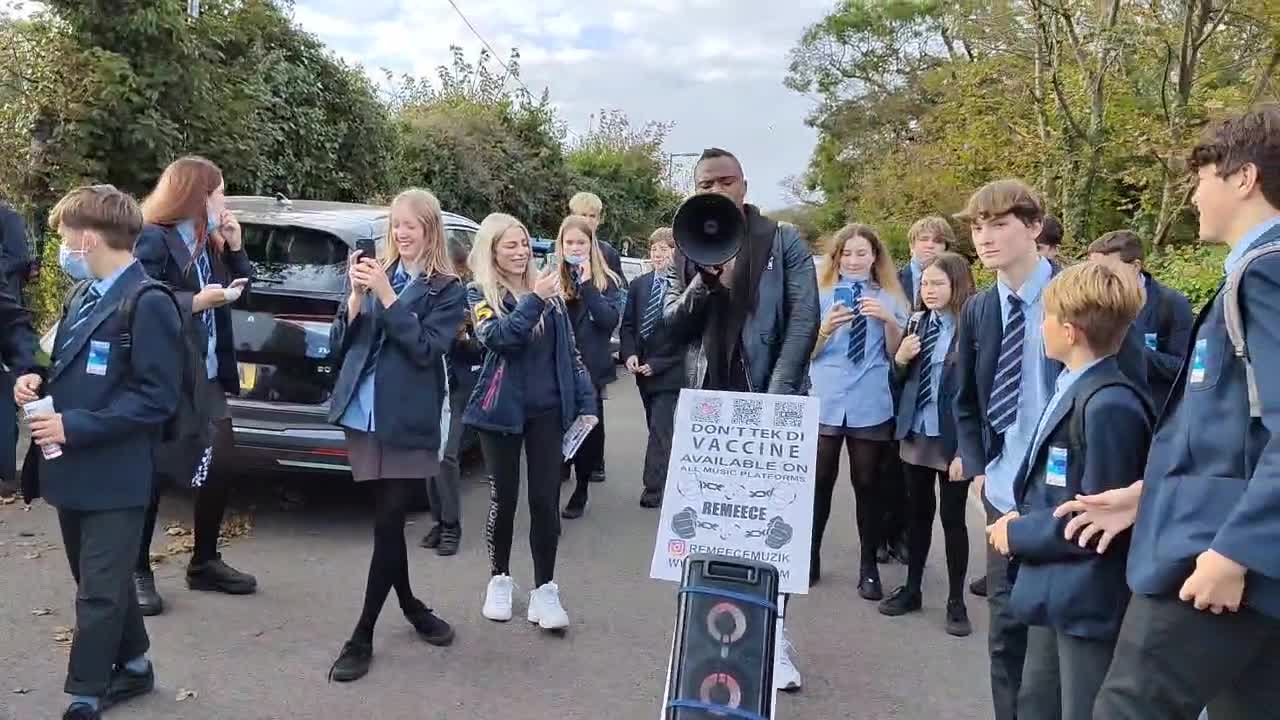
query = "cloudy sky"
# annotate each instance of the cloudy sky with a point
(714, 67)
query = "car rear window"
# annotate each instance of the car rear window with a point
(296, 258)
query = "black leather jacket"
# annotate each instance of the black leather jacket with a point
(779, 333)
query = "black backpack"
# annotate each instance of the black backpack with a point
(126, 310)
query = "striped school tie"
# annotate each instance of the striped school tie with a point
(927, 346)
(87, 305)
(399, 281)
(654, 309)
(206, 276)
(1008, 383)
(857, 329)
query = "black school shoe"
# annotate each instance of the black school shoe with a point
(650, 499)
(126, 685)
(217, 576)
(149, 600)
(432, 538)
(901, 601)
(80, 711)
(958, 619)
(450, 536)
(353, 662)
(979, 586)
(597, 476)
(869, 586)
(430, 627)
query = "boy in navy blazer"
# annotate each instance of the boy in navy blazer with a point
(111, 400)
(657, 363)
(1005, 382)
(1092, 437)
(1203, 627)
(1165, 319)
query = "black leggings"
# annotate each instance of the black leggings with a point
(541, 442)
(211, 500)
(921, 482)
(389, 566)
(864, 469)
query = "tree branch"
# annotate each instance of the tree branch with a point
(1204, 37)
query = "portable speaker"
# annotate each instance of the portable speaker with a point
(709, 229)
(722, 663)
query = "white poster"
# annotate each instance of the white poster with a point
(740, 483)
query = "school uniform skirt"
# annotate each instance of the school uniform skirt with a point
(372, 459)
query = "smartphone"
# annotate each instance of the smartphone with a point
(913, 324)
(844, 296)
(239, 283)
(367, 247)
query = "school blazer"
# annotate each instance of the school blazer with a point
(497, 403)
(665, 358)
(981, 330)
(1058, 583)
(414, 334)
(595, 315)
(1211, 478)
(164, 255)
(910, 391)
(113, 422)
(907, 281)
(1167, 313)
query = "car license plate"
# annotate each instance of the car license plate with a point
(248, 376)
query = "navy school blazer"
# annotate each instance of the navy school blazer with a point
(1059, 584)
(664, 358)
(164, 255)
(1211, 479)
(1168, 316)
(595, 315)
(497, 403)
(981, 330)
(113, 422)
(415, 332)
(910, 390)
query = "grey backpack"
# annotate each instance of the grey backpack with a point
(1235, 324)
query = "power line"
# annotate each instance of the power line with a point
(505, 65)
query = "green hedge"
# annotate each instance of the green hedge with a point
(44, 296)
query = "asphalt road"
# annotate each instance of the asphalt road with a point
(266, 656)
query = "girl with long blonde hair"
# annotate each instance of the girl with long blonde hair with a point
(593, 299)
(532, 389)
(864, 311)
(389, 338)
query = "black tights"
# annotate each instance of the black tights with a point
(390, 564)
(921, 482)
(864, 466)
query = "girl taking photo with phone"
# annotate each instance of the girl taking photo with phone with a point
(192, 242)
(593, 299)
(926, 430)
(390, 338)
(533, 386)
(863, 310)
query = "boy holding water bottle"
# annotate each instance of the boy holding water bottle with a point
(114, 381)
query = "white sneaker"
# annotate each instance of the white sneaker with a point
(785, 675)
(497, 598)
(545, 608)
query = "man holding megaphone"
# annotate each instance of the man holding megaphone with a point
(743, 297)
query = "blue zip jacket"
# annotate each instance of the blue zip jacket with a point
(497, 403)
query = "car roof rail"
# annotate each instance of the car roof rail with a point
(282, 200)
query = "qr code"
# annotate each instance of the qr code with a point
(707, 410)
(748, 412)
(788, 414)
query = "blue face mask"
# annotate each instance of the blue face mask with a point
(850, 278)
(73, 263)
(212, 222)
(575, 260)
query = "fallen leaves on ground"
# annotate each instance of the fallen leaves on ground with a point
(176, 530)
(62, 636)
(41, 612)
(33, 555)
(21, 690)
(8, 500)
(185, 694)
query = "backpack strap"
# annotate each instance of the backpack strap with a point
(130, 304)
(1076, 429)
(1235, 322)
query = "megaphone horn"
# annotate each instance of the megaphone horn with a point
(709, 229)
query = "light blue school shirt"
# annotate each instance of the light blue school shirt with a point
(927, 422)
(855, 395)
(187, 230)
(359, 412)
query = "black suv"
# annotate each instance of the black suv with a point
(299, 250)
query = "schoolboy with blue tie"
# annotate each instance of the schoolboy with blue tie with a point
(1203, 627)
(111, 399)
(1092, 437)
(1005, 383)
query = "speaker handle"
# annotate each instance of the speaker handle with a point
(731, 595)
(730, 571)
